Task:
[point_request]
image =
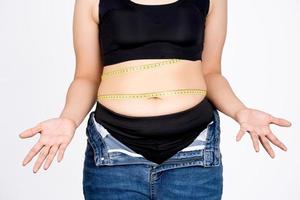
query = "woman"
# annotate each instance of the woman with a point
(154, 70)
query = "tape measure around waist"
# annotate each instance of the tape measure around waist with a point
(139, 68)
(153, 94)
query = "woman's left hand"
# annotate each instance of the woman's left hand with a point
(256, 123)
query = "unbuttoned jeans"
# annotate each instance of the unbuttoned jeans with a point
(113, 171)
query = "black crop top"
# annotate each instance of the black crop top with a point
(130, 30)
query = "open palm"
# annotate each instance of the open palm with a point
(55, 135)
(256, 123)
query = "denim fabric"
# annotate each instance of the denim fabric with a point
(113, 171)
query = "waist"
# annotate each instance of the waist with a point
(157, 86)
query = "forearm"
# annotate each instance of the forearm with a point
(80, 98)
(222, 96)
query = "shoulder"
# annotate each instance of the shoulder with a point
(215, 4)
(88, 7)
(95, 10)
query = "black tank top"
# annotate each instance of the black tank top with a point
(130, 30)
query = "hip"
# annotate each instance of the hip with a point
(114, 171)
(102, 148)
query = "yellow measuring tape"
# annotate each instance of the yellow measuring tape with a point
(139, 68)
(148, 94)
(153, 94)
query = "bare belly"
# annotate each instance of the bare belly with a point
(184, 74)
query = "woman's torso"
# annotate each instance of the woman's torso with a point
(182, 74)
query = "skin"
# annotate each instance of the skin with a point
(57, 133)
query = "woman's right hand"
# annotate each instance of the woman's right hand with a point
(55, 135)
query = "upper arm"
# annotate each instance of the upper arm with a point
(214, 39)
(86, 41)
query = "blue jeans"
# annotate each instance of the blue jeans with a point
(113, 171)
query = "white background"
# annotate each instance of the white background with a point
(260, 60)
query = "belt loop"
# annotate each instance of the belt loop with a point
(208, 158)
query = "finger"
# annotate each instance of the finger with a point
(241, 133)
(264, 141)
(34, 150)
(276, 141)
(280, 121)
(61, 151)
(255, 141)
(51, 155)
(31, 131)
(44, 152)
